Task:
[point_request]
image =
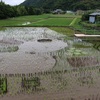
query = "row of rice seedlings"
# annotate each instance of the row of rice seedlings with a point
(56, 80)
(29, 33)
(9, 49)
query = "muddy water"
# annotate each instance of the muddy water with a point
(24, 63)
(26, 59)
(36, 46)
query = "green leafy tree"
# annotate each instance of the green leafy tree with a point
(21, 10)
(85, 16)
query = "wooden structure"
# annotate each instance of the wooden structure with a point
(92, 17)
(83, 35)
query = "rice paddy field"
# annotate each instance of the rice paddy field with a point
(39, 61)
(47, 63)
(49, 20)
(40, 20)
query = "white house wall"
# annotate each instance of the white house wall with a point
(92, 19)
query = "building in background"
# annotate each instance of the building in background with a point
(93, 17)
(58, 11)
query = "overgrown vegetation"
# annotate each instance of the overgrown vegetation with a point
(63, 30)
(53, 22)
(3, 85)
(76, 52)
(63, 4)
(30, 83)
(7, 11)
(40, 20)
(9, 49)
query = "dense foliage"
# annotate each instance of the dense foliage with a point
(7, 11)
(64, 4)
(85, 16)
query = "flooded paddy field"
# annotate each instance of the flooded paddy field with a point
(29, 50)
(64, 65)
(21, 52)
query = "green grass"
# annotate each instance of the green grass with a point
(64, 16)
(39, 20)
(10, 22)
(63, 30)
(18, 21)
(3, 85)
(76, 24)
(77, 45)
(50, 20)
(53, 22)
(2, 28)
(73, 21)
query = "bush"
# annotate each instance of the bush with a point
(85, 16)
(3, 85)
(33, 82)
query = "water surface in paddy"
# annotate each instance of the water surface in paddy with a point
(27, 38)
(21, 52)
(35, 46)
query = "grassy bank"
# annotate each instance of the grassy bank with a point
(50, 20)
(63, 30)
(39, 20)
(53, 22)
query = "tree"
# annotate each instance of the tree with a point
(21, 10)
(7, 11)
(85, 16)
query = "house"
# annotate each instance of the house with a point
(58, 11)
(93, 17)
(69, 12)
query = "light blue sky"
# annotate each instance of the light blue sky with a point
(13, 2)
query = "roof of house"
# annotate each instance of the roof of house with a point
(95, 14)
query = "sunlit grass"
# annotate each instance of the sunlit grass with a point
(54, 22)
(63, 30)
(39, 20)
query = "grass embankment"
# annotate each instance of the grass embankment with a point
(83, 27)
(58, 23)
(63, 30)
(2, 28)
(53, 22)
(18, 21)
(40, 20)
(50, 20)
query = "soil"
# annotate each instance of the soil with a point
(19, 62)
(86, 94)
(83, 61)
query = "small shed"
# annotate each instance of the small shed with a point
(69, 12)
(92, 17)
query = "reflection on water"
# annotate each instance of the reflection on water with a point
(36, 46)
(52, 55)
(71, 65)
(26, 39)
(31, 55)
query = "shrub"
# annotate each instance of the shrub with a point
(3, 85)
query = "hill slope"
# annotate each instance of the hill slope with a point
(64, 4)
